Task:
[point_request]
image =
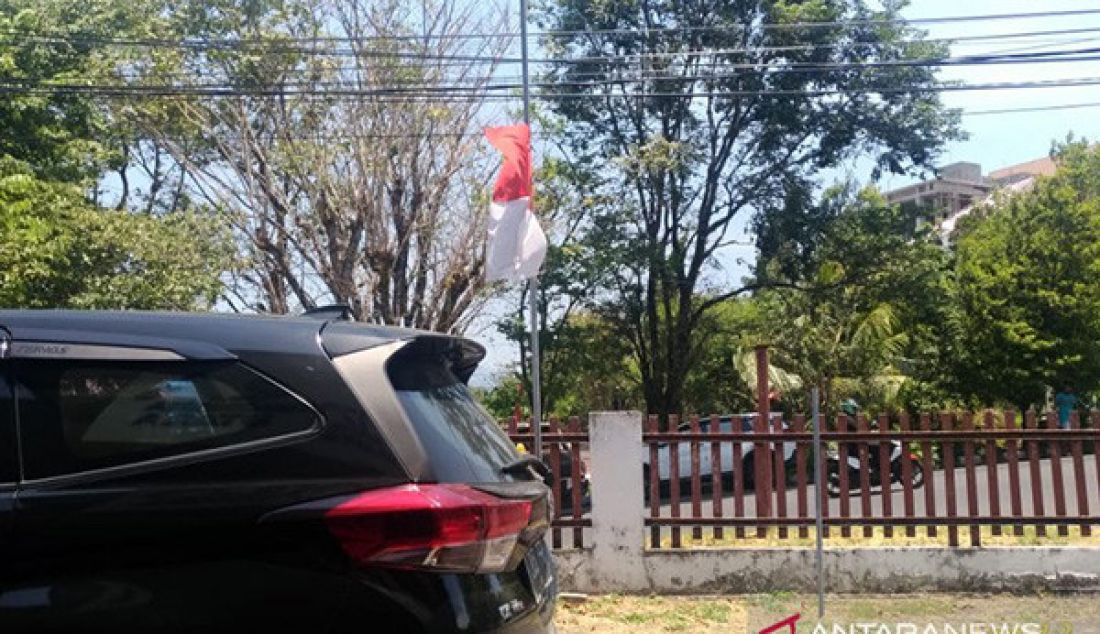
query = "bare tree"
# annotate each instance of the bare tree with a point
(347, 171)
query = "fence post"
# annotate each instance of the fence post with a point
(762, 451)
(618, 501)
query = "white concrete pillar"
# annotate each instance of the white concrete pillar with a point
(618, 502)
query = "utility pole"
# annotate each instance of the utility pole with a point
(533, 285)
(819, 496)
(762, 478)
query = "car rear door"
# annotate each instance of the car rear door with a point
(143, 477)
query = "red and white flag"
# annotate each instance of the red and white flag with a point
(517, 245)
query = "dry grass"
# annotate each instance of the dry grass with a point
(750, 613)
(629, 614)
(878, 539)
(1057, 614)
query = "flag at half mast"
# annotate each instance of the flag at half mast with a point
(517, 245)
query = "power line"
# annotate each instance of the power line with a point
(829, 24)
(235, 43)
(443, 94)
(275, 46)
(272, 46)
(1052, 107)
(590, 80)
(335, 136)
(597, 78)
(715, 52)
(799, 47)
(1078, 55)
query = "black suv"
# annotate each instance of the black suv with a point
(189, 472)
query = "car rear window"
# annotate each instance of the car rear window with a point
(77, 416)
(461, 438)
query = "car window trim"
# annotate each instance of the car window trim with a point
(44, 349)
(123, 343)
(151, 465)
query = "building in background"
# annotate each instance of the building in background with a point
(1016, 173)
(958, 187)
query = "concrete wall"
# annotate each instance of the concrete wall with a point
(618, 561)
(879, 570)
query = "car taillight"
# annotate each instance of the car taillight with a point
(441, 527)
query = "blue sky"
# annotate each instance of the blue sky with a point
(999, 140)
(995, 140)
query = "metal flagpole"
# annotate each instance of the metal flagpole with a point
(533, 285)
(815, 409)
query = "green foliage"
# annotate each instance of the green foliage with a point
(584, 368)
(713, 385)
(683, 168)
(842, 315)
(58, 246)
(1027, 288)
(501, 398)
(57, 250)
(61, 136)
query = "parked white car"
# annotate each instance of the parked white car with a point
(683, 450)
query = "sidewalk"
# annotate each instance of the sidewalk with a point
(862, 614)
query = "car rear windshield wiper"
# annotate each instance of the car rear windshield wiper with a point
(524, 465)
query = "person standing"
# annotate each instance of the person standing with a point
(1065, 402)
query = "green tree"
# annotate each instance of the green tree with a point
(841, 313)
(1027, 288)
(500, 398)
(717, 111)
(585, 368)
(712, 385)
(58, 250)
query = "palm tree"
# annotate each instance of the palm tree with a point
(838, 349)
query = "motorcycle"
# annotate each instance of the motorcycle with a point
(876, 474)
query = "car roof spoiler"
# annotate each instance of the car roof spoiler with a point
(341, 337)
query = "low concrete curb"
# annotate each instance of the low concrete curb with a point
(617, 560)
(879, 570)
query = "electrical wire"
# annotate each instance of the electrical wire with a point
(603, 78)
(1047, 108)
(276, 46)
(457, 94)
(338, 137)
(223, 43)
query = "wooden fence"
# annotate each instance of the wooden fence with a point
(565, 448)
(976, 471)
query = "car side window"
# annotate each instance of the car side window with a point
(9, 467)
(81, 415)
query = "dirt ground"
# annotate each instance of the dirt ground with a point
(1078, 614)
